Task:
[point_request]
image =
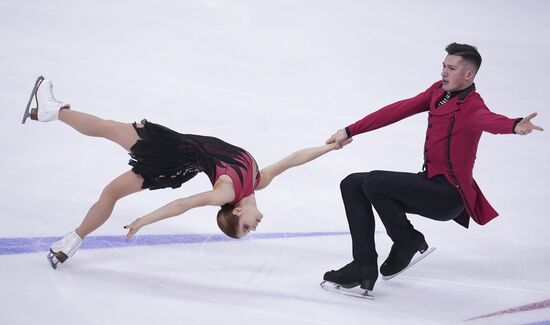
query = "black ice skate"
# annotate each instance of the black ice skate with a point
(401, 256)
(351, 276)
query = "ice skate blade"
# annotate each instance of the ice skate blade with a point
(352, 292)
(33, 96)
(55, 258)
(413, 262)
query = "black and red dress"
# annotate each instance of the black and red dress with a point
(166, 158)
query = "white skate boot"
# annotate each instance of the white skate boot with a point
(47, 107)
(64, 248)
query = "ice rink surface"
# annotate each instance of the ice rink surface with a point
(272, 77)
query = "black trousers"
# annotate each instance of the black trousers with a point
(393, 194)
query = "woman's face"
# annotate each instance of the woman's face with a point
(249, 218)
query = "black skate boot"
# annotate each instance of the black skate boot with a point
(353, 275)
(401, 255)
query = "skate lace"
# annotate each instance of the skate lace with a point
(47, 97)
(51, 97)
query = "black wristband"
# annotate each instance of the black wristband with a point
(348, 132)
(515, 124)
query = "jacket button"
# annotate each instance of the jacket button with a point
(430, 126)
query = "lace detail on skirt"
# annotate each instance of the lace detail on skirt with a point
(166, 158)
(174, 179)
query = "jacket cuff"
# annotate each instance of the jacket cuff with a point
(516, 123)
(348, 132)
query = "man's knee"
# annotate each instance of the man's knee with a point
(352, 181)
(374, 182)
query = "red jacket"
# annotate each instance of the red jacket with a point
(452, 137)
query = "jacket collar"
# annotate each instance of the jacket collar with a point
(463, 93)
(452, 104)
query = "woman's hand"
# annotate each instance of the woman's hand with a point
(134, 227)
(336, 145)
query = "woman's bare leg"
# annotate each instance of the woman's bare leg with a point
(123, 134)
(123, 185)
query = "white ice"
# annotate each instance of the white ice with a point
(273, 77)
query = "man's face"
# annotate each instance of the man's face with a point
(456, 74)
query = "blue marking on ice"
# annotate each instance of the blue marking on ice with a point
(25, 245)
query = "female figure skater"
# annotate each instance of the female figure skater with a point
(164, 158)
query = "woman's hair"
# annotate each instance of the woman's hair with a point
(227, 221)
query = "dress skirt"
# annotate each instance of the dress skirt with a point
(166, 158)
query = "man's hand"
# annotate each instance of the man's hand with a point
(340, 138)
(525, 126)
(337, 146)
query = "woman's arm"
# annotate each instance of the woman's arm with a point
(221, 194)
(297, 158)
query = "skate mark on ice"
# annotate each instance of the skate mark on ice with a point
(477, 286)
(26, 245)
(534, 306)
(208, 297)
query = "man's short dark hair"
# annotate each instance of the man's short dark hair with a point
(467, 52)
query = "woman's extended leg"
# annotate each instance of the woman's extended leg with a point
(123, 134)
(123, 185)
(48, 108)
